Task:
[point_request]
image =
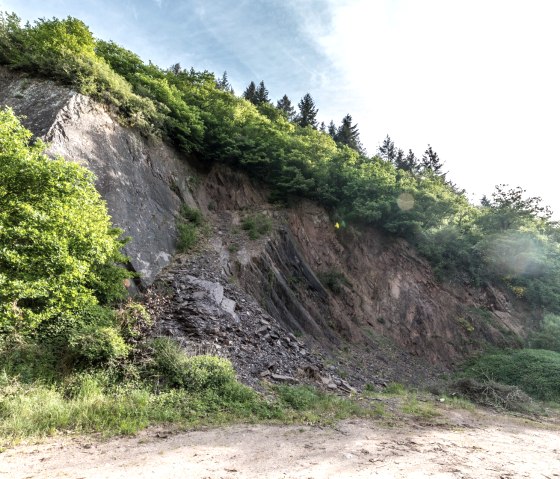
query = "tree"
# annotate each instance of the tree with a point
(224, 84)
(176, 69)
(250, 92)
(331, 129)
(510, 209)
(307, 112)
(387, 150)
(348, 134)
(261, 94)
(58, 250)
(408, 162)
(431, 161)
(286, 107)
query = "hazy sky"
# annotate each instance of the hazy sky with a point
(479, 80)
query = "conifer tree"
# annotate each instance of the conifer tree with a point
(387, 150)
(224, 84)
(175, 69)
(408, 163)
(261, 94)
(331, 130)
(307, 112)
(348, 134)
(431, 161)
(399, 159)
(285, 106)
(250, 92)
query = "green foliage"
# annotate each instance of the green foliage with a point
(333, 280)
(256, 225)
(94, 344)
(191, 214)
(133, 321)
(535, 371)
(548, 337)
(395, 388)
(188, 228)
(58, 250)
(187, 237)
(171, 365)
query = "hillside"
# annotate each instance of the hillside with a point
(171, 253)
(356, 293)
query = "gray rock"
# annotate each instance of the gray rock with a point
(282, 378)
(143, 182)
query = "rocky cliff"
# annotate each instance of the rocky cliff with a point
(284, 304)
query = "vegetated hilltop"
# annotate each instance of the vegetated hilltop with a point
(298, 248)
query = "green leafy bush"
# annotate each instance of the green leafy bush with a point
(334, 280)
(173, 367)
(59, 253)
(535, 371)
(257, 225)
(187, 237)
(188, 228)
(548, 337)
(96, 344)
(192, 215)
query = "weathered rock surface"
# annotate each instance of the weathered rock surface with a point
(143, 181)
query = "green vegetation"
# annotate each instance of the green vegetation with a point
(58, 251)
(334, 280)
(548, 336)
(188, 228)
(256, 225)
(535, 371)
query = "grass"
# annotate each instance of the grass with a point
(190, 226)
(257, 225)
(333, 280)
(36, 411)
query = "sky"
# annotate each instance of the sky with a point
(478, 80)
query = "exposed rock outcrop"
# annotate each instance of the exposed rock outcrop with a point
(362, 294)
(142, 180)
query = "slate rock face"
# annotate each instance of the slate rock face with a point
(143, 181)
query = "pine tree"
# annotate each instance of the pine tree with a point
(261, 94)
(224, 84)
(175, 69)
(285, 106)
(399, 159)
(348, 134)
(410, 162)
(250, 92)
(331, 130)
(431, 161)
(322, 127)
(387, 150)
(307, 112)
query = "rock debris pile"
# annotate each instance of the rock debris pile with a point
(208, 314)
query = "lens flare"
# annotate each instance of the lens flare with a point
(405, 201)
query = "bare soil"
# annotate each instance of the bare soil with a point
(466, 445)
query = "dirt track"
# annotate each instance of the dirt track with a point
(478, 446)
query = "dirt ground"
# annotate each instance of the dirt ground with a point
(468, 445)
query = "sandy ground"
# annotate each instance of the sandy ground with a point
(471, 445)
